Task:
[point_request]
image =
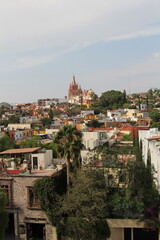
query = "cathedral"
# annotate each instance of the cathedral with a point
(74, 92)
(77, 96)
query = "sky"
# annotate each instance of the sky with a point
(106, 44)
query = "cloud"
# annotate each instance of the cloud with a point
(33, 60)
(29, 61)
(156, 54)
(133, 35)
(27, 25)
(140, 77)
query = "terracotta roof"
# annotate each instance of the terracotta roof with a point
(127, 128)
(14, 171)
(100, 129)
(20, 151)
(154, 138)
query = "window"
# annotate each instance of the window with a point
(35, 163)
(5, 189)
(33, 201)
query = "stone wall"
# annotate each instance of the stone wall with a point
(21, 186)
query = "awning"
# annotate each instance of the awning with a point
(125, 223)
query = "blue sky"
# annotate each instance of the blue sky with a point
(107, 44)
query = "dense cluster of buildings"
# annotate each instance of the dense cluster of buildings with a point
(19, 168)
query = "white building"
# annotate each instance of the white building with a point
(94, 139)
(151, 142)
(116, 115)
(91, 139)
(28, 119)
(18, 135)
(15, 126)
(51, 132)
(42, 159)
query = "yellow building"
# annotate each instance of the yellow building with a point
(35, 132)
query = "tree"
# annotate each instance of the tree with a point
(155, 115)
(4, 122)
(74, 110)
(147, 101)
(3, 214)
(50, 114)
(83, 209)
(49, 191)
(45, 121)
(94, 123)
(6, 143)
(140, 198)
(32, 142)
(155, 125)
(69, 143)
(2, 111)
(13, 119)
(112, 99)
(127, 137)
(81, 212)
(57, 112)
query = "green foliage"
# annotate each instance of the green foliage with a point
(69, 143)
(83, 208)
(75, 110)
(57, 112)
(127, 105)
(155, 125)
(4, 122)
(128, 137)
(50, 114)
(49, 191)
(3, 214)
(6, 143)
(32, 142)
(97, 110)
(52, 146)
(35, 141)
(122, 205)
(112, 99)
(13, 119)
(138, 198)
(94, 123)
(2, 111)
(81, 212)
(46, 121)
(155, 115)
(108, 151)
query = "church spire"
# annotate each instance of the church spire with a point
(74, 80)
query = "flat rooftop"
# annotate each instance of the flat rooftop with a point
(37, 173)
(20, 151)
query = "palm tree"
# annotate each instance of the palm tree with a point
(69, 143)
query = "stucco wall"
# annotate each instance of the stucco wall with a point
(26, 214)
(44, 159)
(154, 147)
